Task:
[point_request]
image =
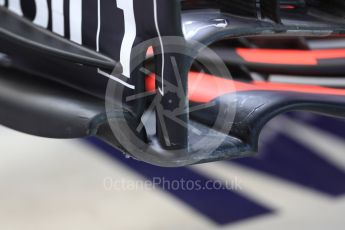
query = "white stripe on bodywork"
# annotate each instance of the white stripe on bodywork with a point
(101, 72)
(58, 19)
(161, 90)
(42, 13)
(75, 14)
(112, 77)
(130, 35)
(98, 24)
(14, 6)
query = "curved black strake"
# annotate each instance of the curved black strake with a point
(254, 109)
(43, 108)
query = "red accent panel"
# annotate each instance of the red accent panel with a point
(287, 7)
(204, 88)
(288, 57)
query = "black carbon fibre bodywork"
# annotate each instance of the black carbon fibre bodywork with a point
(59, 91)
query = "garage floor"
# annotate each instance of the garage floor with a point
(296, 182)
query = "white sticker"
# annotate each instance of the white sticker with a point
(14, 6)
(75, 15)
(130, 35)
(42, 13)
(58, 18)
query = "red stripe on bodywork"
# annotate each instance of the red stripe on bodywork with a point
(287, 7)
(204, 88)
(288, 57)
